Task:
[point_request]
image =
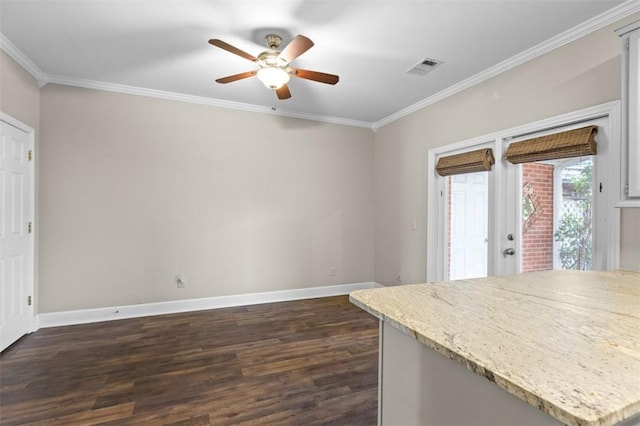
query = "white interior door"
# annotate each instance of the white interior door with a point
(468, 236)
(16, 233)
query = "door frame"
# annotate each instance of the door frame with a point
(437, 200)
(436, 188)
(33, 326)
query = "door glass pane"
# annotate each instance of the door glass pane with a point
(467, 225)
(556, 216)
(573, 235)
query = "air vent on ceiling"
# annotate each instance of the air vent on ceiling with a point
(424, 66)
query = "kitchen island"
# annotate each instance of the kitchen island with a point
(538, 348)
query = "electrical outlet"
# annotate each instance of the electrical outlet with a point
(332, 271)
(181, 281)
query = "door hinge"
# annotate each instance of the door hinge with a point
(30, 227)
(627, 44)
(29, 301)
(626, 189)
(30, 155)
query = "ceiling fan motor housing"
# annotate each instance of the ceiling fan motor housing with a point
(273, 41)
(271, 59)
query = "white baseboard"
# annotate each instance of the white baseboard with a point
(85, 316)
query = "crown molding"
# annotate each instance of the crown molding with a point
(7, 46)
(609, 17)
(161, 94)
(22, 59)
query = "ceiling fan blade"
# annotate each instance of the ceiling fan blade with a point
(297, 47)
(236, 77)
(229, 48)
(283, 92)
(315, 76)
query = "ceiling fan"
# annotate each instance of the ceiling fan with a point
(273, 65)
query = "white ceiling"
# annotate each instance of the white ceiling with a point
(162, 45)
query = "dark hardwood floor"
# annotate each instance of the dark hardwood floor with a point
(305, 362)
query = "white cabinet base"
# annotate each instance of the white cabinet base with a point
(422, 387)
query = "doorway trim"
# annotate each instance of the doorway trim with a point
(437, 251)
(436, 190)
(32, 209)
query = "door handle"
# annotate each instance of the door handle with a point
(508, 252)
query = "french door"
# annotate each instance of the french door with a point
(556, 214)
(556, 210)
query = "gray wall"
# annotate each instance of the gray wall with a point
(135, 190)
(20, 93)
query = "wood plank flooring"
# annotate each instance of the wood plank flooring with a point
(305, 362)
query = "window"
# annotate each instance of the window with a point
(573, 215)
(557, 180)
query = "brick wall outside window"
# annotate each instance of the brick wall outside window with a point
(537, 232)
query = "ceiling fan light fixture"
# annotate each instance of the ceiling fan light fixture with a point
(273, 65)
(273, 78)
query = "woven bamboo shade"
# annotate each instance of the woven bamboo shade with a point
(480, 160)
(572, 143)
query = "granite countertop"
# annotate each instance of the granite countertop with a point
(567, 342)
